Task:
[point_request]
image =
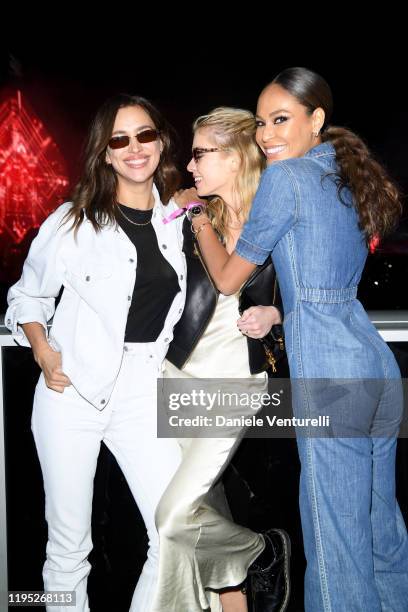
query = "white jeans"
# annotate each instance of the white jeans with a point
(68, 432)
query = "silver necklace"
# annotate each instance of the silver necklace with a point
(130, 220)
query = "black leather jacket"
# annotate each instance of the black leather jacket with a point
(201, 301)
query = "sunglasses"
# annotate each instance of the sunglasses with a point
(198, 152)
(118, 142)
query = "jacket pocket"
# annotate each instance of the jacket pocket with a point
(90, 271)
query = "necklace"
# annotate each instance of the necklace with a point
(130, 220)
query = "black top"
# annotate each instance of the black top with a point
(201, 302)
(156, 280)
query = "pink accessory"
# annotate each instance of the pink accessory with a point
(181, 211)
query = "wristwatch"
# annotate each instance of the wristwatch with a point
(195, 211)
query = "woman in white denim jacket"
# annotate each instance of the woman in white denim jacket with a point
(123, 277)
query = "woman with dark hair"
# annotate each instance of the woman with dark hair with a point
(321, 200)
(123, 277)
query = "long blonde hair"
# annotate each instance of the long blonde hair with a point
(233, 129)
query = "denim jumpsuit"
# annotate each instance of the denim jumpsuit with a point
(355, 538)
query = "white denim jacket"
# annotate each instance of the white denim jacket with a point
(98, 273)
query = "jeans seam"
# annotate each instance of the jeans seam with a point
(318, 538)
(293, 258)
(310, 476)
(367, 336)
(296, 337)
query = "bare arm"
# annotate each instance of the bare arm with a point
(182, 197)
(48, 359)
(228, 271)
(273, 213)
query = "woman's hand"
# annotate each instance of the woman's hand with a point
(182, 197)
(256, 322)
(49, 360)
(51, 364)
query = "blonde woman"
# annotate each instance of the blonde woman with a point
(202, 551)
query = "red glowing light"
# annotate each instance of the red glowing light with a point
(374, 243)
(33, 177)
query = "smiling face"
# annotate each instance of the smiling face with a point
(136, 163)
(216, 171)
(284, 127)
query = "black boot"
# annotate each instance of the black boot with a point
(268, 576)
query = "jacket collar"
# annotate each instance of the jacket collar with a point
(325, 149)
(159, 208)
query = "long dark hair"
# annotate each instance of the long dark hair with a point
(376, 198)
(95, 193)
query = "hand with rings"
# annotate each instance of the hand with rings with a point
(257, 321)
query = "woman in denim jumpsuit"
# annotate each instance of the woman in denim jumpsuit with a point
(354, 535)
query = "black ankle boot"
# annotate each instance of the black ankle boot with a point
(269, 583)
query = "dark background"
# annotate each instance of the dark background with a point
(66, 83)
(187, 72)
(187, 67)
